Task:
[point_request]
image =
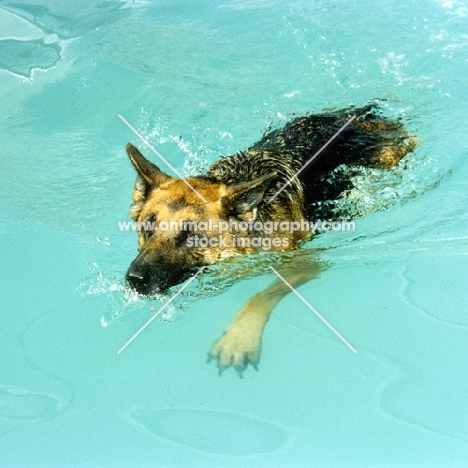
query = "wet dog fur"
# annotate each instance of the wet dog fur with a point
(272, 181)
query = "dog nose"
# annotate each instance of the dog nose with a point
(137, 279)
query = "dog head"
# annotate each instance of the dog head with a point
(180, 223)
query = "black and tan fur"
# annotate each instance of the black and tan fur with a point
(239, 188)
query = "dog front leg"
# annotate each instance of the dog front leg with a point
(240, 345)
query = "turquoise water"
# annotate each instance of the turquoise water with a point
(200, 80)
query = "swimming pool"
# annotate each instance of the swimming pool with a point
(200, 80)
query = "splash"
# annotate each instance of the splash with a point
(379, 189)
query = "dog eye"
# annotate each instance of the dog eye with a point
(185, 234)
(148, 226)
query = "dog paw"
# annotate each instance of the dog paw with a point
(238, 348)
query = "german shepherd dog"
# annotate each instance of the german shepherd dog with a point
(225, 211)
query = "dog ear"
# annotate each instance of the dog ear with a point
(150, 173)
(244, 198)
(149, 176)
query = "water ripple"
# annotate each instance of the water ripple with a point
(216, 432)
